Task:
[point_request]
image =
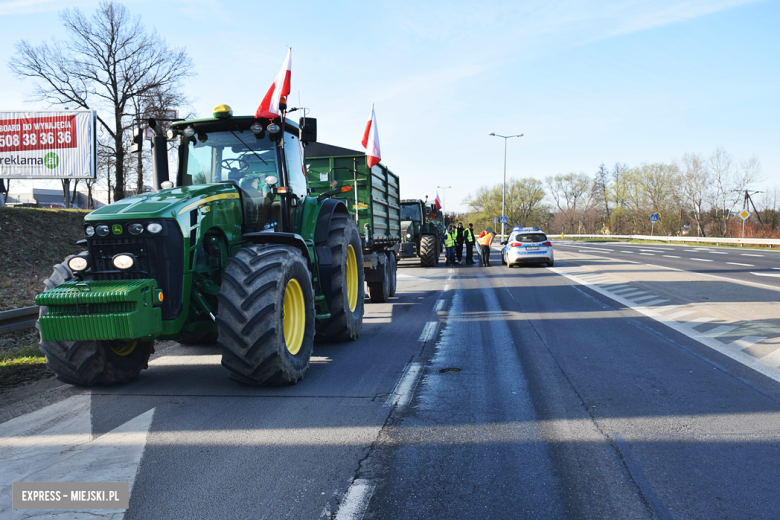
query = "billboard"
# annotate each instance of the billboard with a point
(48, 145)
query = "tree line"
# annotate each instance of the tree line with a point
(696, 195)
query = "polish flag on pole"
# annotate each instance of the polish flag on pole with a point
(371, 141)
(277, 94)
(438, 201)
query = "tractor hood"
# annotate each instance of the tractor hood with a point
(164, 204)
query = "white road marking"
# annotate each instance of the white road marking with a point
(355, 502)
(404, 388)
(632, 294)
(429, 331)
(629, 252)
(767, 274)
(654, 250)
(700, 320)
(446, 287)
(678, 314)
(720, 330)
(748, 254)
(716, 252)
(647, 254)
(743, 265)
(596, 250)
(671, 256)
(652, 303)
(649, 296)
(702, 259)
(56, 444)
(747, 341)
(439, 306)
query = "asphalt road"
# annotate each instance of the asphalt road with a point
(600, 388)
(750, 265)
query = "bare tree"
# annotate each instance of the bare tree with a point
(107, 61)
(570, 191)
(696, 187)
(601, 191)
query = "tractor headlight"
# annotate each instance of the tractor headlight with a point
(78, 263)
(189, 131)
(408, 235)
(102, 230)
(154, 227)
(123, 261)
(274, 128)
(89, 231)
(135, 229)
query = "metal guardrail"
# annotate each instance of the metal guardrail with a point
(18, 319)
(706, 240)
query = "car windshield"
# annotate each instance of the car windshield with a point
(529, 237)
(411, 212)
(231, 156)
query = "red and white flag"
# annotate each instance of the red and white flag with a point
(371, 141)
(277, 94)
(438, 201)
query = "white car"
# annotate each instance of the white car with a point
(526, 246)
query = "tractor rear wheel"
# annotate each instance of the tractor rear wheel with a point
(347, 280)
(428, 251)
(266, 316)
(91, 363)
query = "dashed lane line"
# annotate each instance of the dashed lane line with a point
(743, 265)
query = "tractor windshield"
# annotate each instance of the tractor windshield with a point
(231, 156)
(411, 212)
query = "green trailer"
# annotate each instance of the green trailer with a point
(373, 202)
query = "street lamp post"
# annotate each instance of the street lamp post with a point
(444, 203)
(503, 190)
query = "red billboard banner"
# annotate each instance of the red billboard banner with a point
(38, 133)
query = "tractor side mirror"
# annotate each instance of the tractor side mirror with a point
(138, 140)
(308, 127)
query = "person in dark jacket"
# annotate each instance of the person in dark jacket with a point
(460, 238)
(469, 240)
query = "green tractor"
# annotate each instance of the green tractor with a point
(422, 230)
(239, 253)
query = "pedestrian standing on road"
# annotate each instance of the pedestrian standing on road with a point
(449, 245)
(469, 239)
(485, 239)
(459, 239)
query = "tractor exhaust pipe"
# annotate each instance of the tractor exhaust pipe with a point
(159, 155)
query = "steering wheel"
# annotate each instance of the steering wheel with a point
(227, 164)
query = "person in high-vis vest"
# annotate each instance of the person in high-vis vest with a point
(449, 245)
(469, 239)
(484, 240)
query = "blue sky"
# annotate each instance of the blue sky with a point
(586, 82)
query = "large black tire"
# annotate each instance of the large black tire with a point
(258, 284)
(428, 251)
(380, 291)
(392, 272)
(91, 363)
(346, 318)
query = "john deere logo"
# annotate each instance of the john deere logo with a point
(51, 160)
(116, 229)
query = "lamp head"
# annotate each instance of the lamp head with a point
(491, 133)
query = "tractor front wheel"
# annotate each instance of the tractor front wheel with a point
(266, 316)
(429, 254)
(95, 362)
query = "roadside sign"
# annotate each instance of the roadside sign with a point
(503, 220)
(654, 217)
(744, 214)
(495, 220)
(48, 145)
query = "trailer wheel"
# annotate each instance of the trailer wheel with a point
(91, 363)
(392, 272)
(380, 291)
(347, 281)
(428, 251)
(266, 316)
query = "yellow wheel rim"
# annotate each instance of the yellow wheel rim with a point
(294, 319)
(352, 279)
(122, 348)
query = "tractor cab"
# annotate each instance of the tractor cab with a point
(252, 154)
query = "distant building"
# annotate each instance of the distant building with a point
(41, 198)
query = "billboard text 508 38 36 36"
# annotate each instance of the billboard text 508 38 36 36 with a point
(48, 145)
